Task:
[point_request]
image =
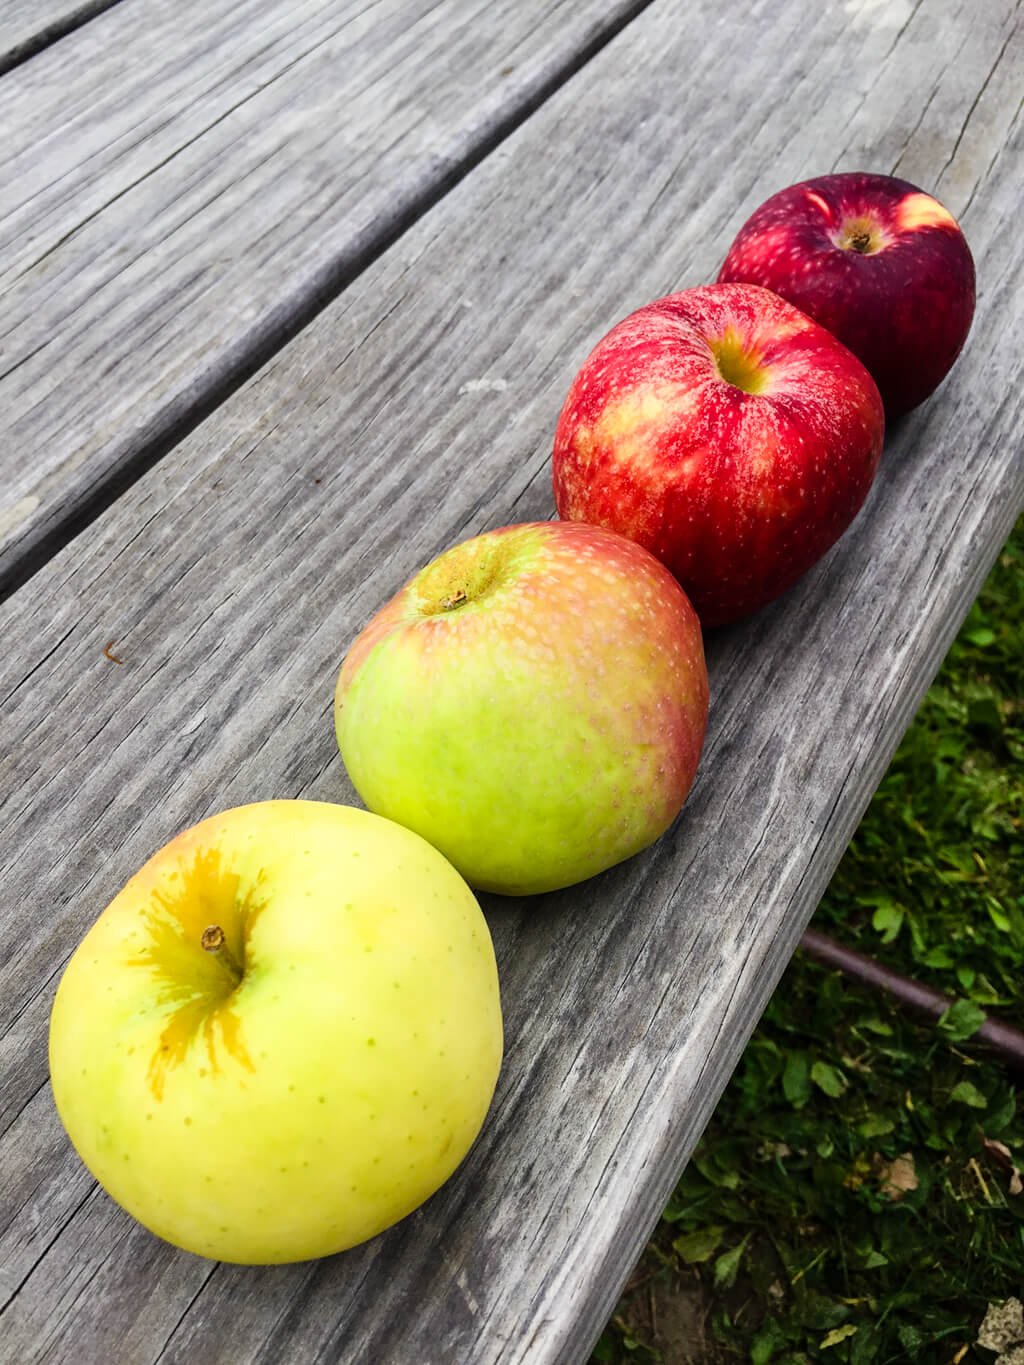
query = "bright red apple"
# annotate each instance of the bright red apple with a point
(726, 432)
(875, 260)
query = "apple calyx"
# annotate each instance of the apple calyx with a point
(862, 236)
(214, 941)
(454, 599)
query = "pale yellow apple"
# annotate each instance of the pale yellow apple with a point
(282, 1035)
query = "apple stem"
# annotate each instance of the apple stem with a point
(455, 600)
(215, 941)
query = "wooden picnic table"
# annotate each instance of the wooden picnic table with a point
(292, 291)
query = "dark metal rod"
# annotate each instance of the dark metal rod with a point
(1002, 1039)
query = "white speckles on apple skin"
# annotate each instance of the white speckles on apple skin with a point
(902, 300)
(737, 492)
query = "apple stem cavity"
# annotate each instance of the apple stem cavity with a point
(738, 364)
(215, 941)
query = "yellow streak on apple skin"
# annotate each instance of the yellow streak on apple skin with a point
(583, 444)
(208, 894)
(820, 203)
(180, 1033)
(630, 423)
(920, 211)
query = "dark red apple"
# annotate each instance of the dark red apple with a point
(728, 433)
(875, 260)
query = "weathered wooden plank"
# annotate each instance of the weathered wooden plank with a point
(27, 26)
(184, 185)
(417, 409)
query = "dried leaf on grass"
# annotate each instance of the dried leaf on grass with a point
(1002, 1156)
(1003, 1330)
(837, 1335)
(896, 1178)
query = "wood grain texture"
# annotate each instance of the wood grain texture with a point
(184, 185)
(27, 26)
(416, 410)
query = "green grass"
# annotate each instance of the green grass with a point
(789, 1238)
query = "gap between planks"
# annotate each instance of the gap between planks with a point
(48, 530)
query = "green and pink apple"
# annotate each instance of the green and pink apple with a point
(282, 1035)
(533, 703)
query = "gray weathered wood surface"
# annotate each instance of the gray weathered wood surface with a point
(418, 409)
(27, 26)
(181, 184)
